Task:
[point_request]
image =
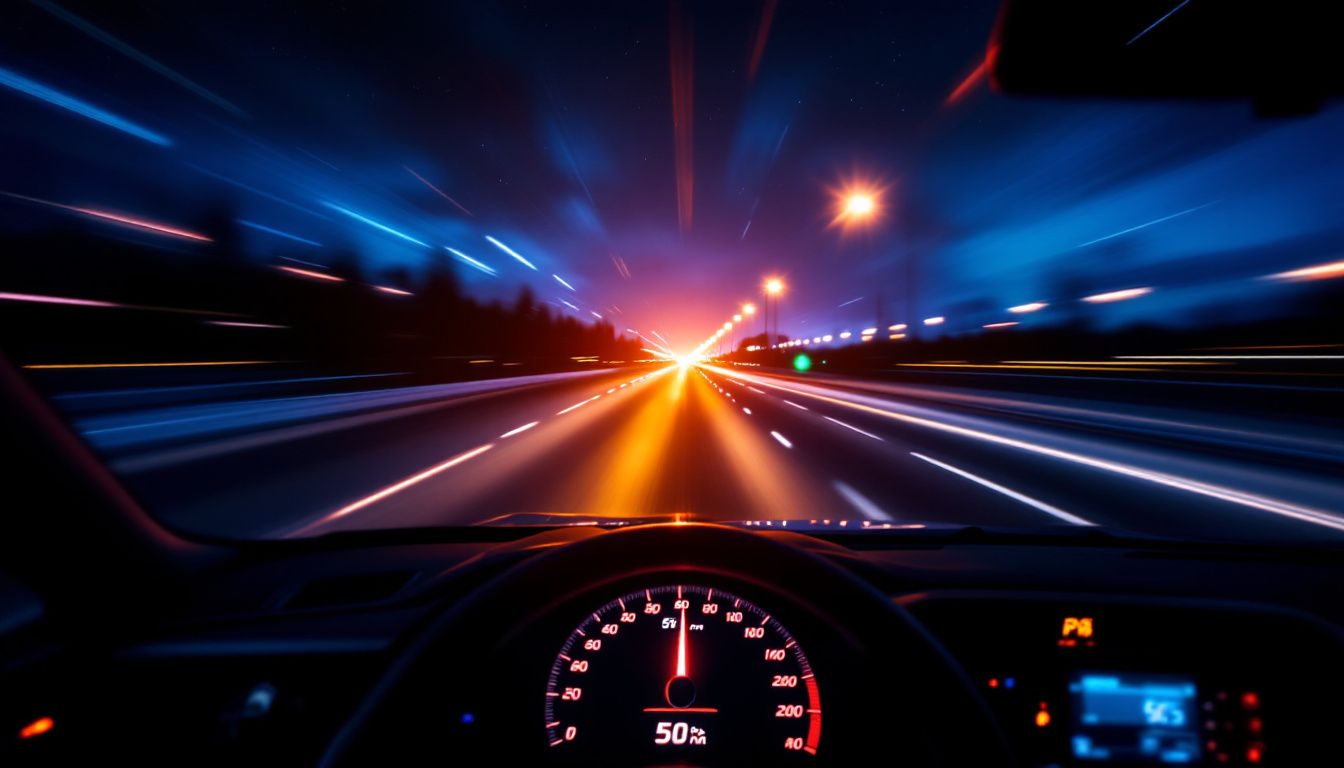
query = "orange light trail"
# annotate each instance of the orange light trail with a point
(977, 76)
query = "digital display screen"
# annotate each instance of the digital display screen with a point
(1131, 717)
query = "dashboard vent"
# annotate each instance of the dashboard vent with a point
(349, 590)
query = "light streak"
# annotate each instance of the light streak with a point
(570, 305)
(577, 405)
(973, 79)
(856, 429)
(278, 233)
(190, 364)
(1010, 493)
(311, 274)
(561, 281)
(519, 430)
(1022, 309)
(116, 218)
(392, 291)
(934, 320)
(1318, 272)
(784, 441)
(136, 55)
(594, 314)
(1144, 225)
(375, 224)
(511, 252)
(1005, 324)
(1163, 18)
(847, 303)
(860, 502)
(241, 324)
(440, 192)
(473, 262)
(1189, 485)
(34, 298)
(17, 82)
(1229, 357)
(419, 477)
(1121, 295)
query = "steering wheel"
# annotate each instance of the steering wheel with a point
(468, 687)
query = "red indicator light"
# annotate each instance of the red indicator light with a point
(993, 682)
(1254, 725)
(37, 728)
(1042, 718)
(1250, 700)
(1254, 753)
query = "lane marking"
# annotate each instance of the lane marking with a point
(518, 430)
(1009, 492)
(795, 405)
(419, 477)
(856, 429)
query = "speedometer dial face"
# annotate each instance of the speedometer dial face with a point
(685, 675)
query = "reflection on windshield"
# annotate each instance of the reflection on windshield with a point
(472, 264)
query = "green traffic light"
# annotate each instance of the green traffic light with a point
(802, 363)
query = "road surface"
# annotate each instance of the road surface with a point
(729, 443)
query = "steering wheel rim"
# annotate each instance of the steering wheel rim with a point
(951, 721)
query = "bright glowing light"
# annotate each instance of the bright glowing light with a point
(856, 203)
(511, 252)
(34, 298)
(392, 291)
(827, 337)
(845, 334)
(784, 441)
(17, 82)
(561, 281)
(1022, 309)
(519, 430)
(748, 309)
(896, 327)
(594, 314)
(737, 318)
(1006, 324)
(37, 728)
(1121, 295)
(311, 274)
(935, 320)
(802, 363)
(727, 326)
(774, 286)
(816, 339)
(472, 262)
(1318, 272)
(896, 336)
(1010, 493)
(868, 331)
(375, 224)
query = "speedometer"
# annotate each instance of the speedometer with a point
(683, 674)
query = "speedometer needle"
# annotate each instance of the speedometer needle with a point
(681, 647)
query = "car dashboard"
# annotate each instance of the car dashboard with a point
(705, 645)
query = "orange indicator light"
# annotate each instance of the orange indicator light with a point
(1076, 626)
(37, 727)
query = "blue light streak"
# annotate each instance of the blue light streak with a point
(277, 233)
(511, 252)
(561, 281)
(376, 225)
(473, 262)
(17, 82)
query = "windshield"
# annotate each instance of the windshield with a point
(297, 269)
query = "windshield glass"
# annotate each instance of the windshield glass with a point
(296, 269)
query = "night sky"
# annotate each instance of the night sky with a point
(552, 127)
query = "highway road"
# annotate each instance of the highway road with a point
(722, 442)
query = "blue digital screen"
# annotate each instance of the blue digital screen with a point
(1127, 717)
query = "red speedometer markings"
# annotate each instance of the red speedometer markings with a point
(709, 597)
(648, 597)
(808, 676)
(790, 644)
(596, 617)
(557, 742)
(552, 693)
(622, 602)
(678, 710)
(556, 724)
(566, 658)
(767, 618)
(809, 749)
(681, 647)
(581, 633)
(737, 603)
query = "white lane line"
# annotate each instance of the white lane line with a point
(860, 502)
(523, 428)
(757, 391)
(747, 411)
(784, 441)
(418, 477)
(1009, 492)
(795, 405)
(579, 404)
(856, 429)
(1190, 485)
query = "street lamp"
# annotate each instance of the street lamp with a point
(773, 288)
